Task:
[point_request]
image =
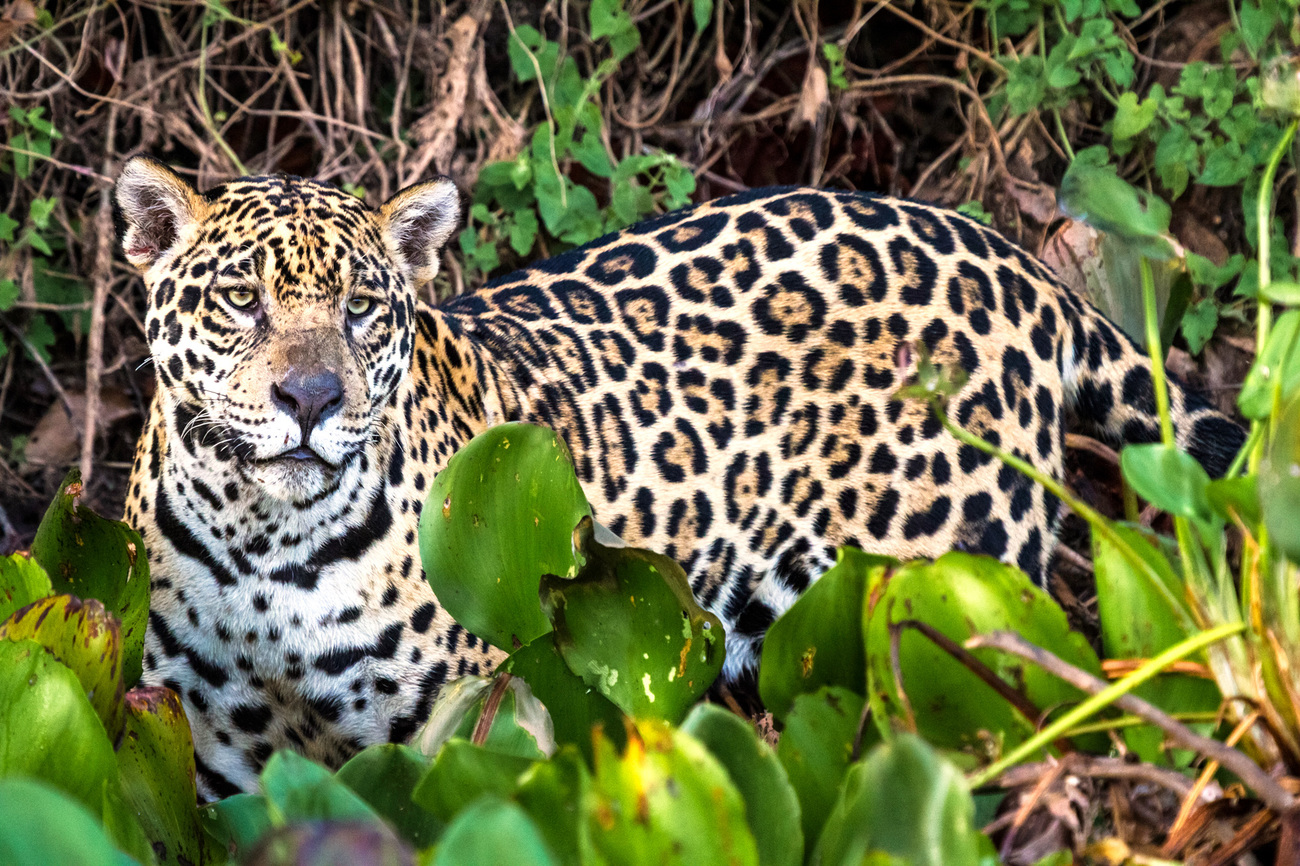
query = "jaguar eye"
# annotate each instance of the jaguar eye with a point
(359, 306)
(241, 298)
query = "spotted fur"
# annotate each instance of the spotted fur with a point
(723, 375)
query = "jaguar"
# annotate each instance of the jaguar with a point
(725, 377)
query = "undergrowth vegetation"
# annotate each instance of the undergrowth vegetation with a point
(917, 712)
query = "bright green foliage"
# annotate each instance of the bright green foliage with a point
(237, 822)
(22, 581)
(905, 801)
(462, 772)
(1279, 482)
(92, 557)
(961, 595)
(1142, 614)
(516, 200)
(665, 800)
(34, 139)
(771, 807)
(492, 831)
(816, 749)
(298, 789)
(385, 777)
(40, 826)
(499, 516)
(578, 706)
(1277, 366)
(85, 638)
(628, 624)
(553, 793)
(818, 641)
(156, 763)
(50, 731)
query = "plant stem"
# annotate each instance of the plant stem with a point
(1265, 786)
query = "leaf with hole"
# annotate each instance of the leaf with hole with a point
(629, 625)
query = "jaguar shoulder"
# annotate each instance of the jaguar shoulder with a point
(724, 377)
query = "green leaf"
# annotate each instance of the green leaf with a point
(7, 226)
(771, 807)
(574, 706)
(629, 625)
(523, 232)
(85, 638)
(1198, 324)
(816, 749)
(1140, 619)
(1226, 165)
(385, 776)
(1279, 481)
(904, 801)
(238, 823)
(702, 11)
(1239, 495)
(524, 40)
(1281, 292)
(40, 826)
(48, 729)
(462, 772)
(1167, 478)
(156, 762)
(298, 789)
(22, 581)
(818, 641)
(1097, 195)
(1278, 361)
(665, 800)
(500, 515)
(492, 831)
(1256, 25)
(962, 595)
(91, 557)
(1132, 117)
(9, 293)
(552, 793)
(609, 18)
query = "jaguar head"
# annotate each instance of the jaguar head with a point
(281, 314)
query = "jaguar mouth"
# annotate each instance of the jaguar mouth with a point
(302, 456)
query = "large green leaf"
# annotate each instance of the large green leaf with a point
(462, 772)
(906, 802)
(156, 762)
(385, 776)
(48, 729)
(84, 637)
(491, 832)
(1140, 618)
(22, 581)
(961, 595)
(40, 826)
(575, 707)
(818, 641)
(237, 822)
(665, 800)
(816, 749)
(500, 515)
(552, 792)
(91, 557)
(771, 807)
(298, 789)
(629, 626)
(1279, 482)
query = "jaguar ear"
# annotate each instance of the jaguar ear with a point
(158, 205)
(418, 221)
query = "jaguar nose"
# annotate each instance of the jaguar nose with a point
(309, 397)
